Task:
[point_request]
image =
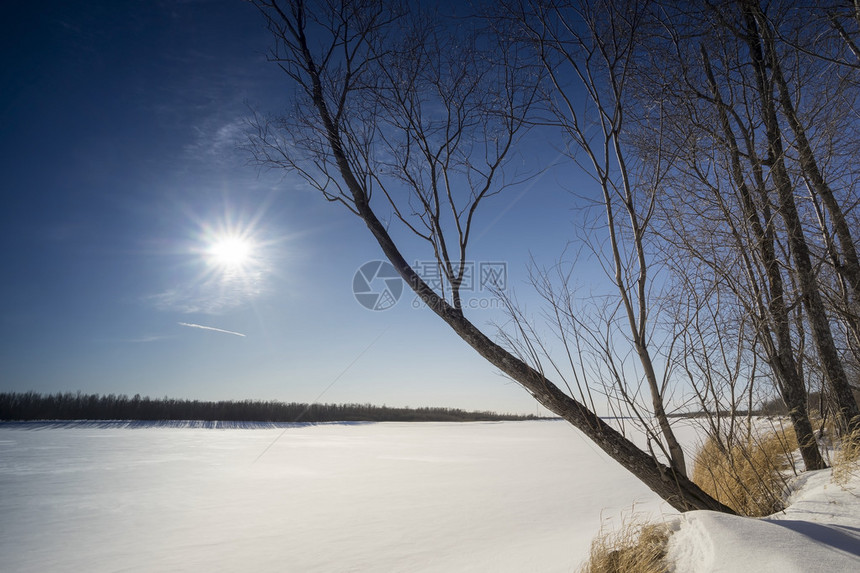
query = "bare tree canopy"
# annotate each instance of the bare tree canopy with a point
(726, 219)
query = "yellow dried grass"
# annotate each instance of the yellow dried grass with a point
(634, 548)
(846, 461)
(747, 473)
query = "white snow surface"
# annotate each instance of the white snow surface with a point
(405, 497)
(819, 531)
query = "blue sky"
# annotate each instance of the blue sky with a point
(120, 167)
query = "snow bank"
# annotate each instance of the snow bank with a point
(820, 531)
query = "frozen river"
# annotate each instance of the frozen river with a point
(508, 496)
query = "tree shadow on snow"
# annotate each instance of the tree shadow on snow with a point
(839, 537)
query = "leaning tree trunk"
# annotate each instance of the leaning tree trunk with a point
(675, 488)
(671, 485)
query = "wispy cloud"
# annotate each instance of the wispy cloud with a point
(212, 328)
(152, 338)
(218, 137)
(214, 295)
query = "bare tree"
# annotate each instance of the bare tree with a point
(730, 142)
(766, 69)
(775, 330)
(825, 139)
(384, 124)
(597, 43)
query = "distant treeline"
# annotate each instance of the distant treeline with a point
(772, 407)
(20, 406)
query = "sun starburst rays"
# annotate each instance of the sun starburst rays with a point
(231, 252)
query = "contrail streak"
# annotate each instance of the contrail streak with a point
(212, 328)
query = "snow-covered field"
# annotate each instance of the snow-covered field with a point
(511, 496)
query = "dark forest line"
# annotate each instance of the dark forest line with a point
(26, 406)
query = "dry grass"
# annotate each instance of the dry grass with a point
(846, 461)
(747, 473)
(634, 548)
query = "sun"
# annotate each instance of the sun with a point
(230, 252)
